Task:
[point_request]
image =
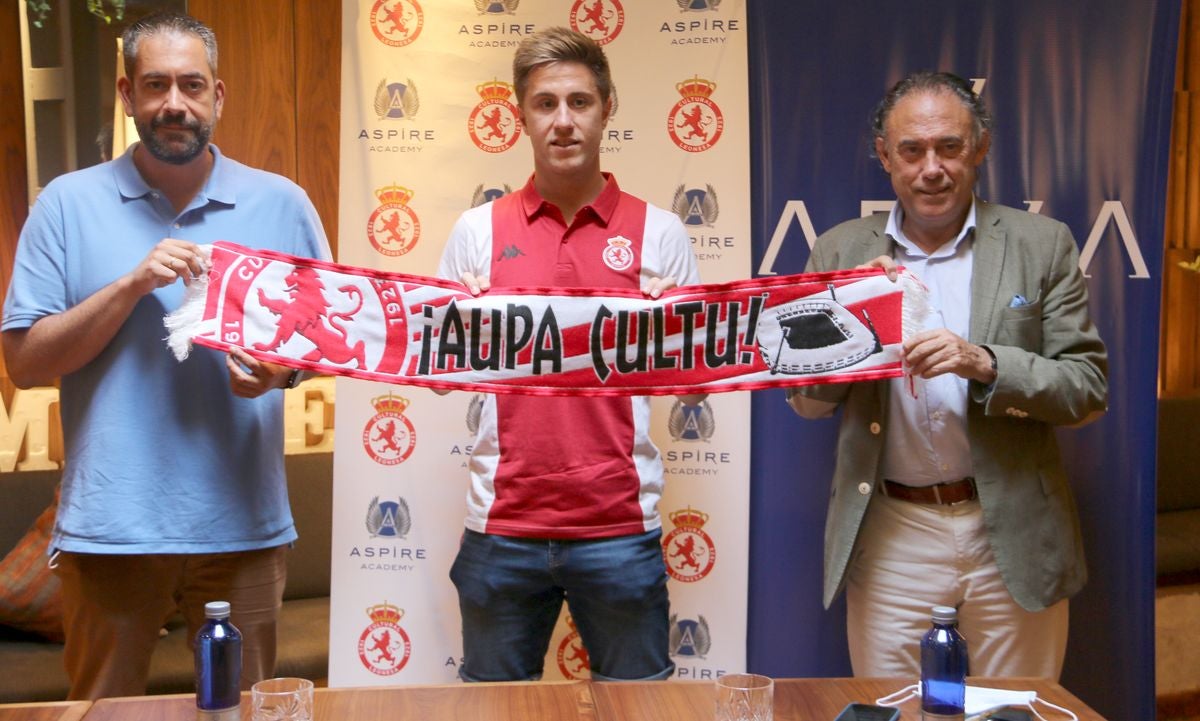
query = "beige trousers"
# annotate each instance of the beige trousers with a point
(911, 557)
(114, 606)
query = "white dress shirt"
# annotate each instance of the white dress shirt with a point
(926, 438)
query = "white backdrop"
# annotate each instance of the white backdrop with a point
(428, 129)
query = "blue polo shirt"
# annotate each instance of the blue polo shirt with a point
(160, 456)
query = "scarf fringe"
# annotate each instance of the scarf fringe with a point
(916, 304)
(188, 319)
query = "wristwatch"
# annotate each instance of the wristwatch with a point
(294, 377)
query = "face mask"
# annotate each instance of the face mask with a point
(980, 700)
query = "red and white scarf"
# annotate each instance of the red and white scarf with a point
(413, 330)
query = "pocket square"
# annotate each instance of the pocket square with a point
(1018, 301)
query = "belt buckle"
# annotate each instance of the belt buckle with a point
(938, 494)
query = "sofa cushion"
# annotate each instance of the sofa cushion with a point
(1178, 477)
(310, 491)
(29, 597)
(1178, 540)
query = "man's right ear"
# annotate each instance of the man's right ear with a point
(125, 89)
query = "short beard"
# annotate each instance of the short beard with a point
(201, 133)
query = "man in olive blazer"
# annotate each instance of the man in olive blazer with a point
(1028, 359)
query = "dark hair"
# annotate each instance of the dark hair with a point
(931, 82)
(559, 44)
(167, 21)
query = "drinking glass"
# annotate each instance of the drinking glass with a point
(745, 697)
(282, 699)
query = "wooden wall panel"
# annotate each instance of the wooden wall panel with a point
(257, 64)
(1179, 372)
(318, 103)
(14, 197)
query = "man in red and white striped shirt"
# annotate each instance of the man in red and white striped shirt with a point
(564, 490)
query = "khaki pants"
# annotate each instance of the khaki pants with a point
(911, 557)
(114, 606)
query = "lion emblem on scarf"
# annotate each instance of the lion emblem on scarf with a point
(306, 311)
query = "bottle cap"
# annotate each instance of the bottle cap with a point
(945, 614)
(217, 609)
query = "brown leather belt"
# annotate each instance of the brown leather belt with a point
(941, 494)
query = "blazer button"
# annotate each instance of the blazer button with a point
(864, 488)
(875, 428)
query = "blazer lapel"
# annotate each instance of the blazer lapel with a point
(990, 245)
(875, 245)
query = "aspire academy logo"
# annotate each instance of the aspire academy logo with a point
(600, 20)
(389, 519)
(389, 437)
(496, 7)
(695, 123)
(384, 647)
(495, 124)
(688, 637)
(691, 422)
(393, 227)
(696, 207)
(395, 101)
(397, 22)
(486, 195)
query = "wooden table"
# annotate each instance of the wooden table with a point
(807, 699)
(53, 711)
(548, 701)
(813, 699)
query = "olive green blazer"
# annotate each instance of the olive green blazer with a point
(1052, 371)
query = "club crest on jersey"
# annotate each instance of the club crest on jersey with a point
(687, 550)
(695, 206)
(394, 101)
(496, 7)
(393, 228)
(397, 22)
(389, 519)
(695, 123)
(384, 648)
(486, 195)
(600, 20)
(691, 422)
(495, 123)
(689, 638)
(389, 437)
(618, 254)
(572, 656)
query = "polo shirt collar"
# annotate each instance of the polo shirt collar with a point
(602, 207)
(131, 184)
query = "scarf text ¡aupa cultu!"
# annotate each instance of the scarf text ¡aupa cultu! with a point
(413, 330)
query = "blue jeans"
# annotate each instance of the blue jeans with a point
(510, 592)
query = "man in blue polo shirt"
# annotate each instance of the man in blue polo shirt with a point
(173, 490)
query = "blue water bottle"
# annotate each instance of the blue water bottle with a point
(218, 666)
(943, 668)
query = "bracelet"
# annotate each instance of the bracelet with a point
(293, 378)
